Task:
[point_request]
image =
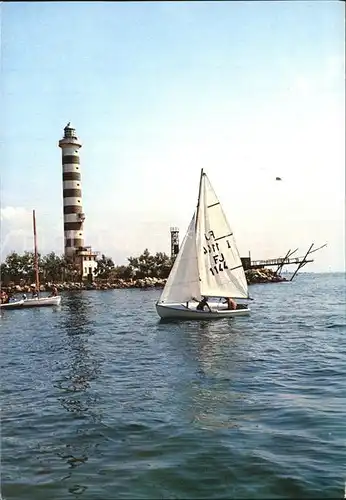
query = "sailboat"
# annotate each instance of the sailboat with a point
(39, 301)
(15, 304)
(207, 265)
(36, 301)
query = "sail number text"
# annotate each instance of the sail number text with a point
(219, 263)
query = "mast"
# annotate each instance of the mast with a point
(199, 196)
(37, 281)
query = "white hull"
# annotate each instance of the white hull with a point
(16, 304)
(42, 301)
(180, 311)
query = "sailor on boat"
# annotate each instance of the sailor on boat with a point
(202, 304)
(231, 304)
(4, 297)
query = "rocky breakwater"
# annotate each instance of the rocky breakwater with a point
(252, 275)
(263, 275)
(132, 283)
(97, 285)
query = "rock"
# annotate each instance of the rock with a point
(263, 275)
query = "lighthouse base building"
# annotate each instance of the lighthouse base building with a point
(82, 257)
(86, 263)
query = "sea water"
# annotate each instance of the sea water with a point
(101, 400)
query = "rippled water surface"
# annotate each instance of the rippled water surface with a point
(102, 401)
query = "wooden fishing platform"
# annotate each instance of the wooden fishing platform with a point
(259, 264)
(280, 262)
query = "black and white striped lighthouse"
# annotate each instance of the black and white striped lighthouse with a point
(72, 192)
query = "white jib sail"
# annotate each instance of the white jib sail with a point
(220, 267)
(183, 281)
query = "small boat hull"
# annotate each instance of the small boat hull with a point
(16, 304)
(180, 311)
(42, 302)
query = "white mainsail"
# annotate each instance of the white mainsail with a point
(183, 281)
(208, 263)
(219, 263)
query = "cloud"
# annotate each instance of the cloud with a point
(15, 229)
(17, 232)
(14, 214)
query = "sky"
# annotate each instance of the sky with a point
(158, 90)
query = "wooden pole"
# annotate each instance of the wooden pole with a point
(319, 248)
(280, 266)
(287, 256)
(303, 262)
(37, 280)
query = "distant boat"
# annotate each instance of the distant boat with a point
(42, 301)
(35, 301)
(15, 304)
(39, 301)
(207, 265)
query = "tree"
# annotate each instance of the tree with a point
(70, 271)
(19, 267)
(53, 267)
(163, 264)
(13, 267)
(105, 266)
(123, 272)
(147, 265)
(143, 265)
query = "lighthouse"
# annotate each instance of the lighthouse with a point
(74, 217)
(72, 191)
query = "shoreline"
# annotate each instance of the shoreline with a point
(253, 276)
